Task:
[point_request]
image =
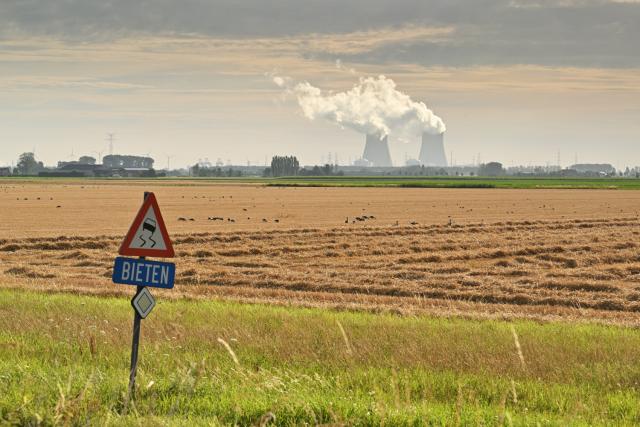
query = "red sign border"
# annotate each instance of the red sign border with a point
(125, 249)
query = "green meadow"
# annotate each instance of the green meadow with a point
(459, 182)
(64, 361)
(373, 181)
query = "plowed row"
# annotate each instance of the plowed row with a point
(543, 269)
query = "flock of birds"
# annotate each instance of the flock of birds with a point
(39, 198)
(348, 220)
(219, 218)
(362, 218)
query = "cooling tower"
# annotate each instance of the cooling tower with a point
(432, 150)
(376, 151)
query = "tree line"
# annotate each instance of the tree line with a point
(197, 170)
(283, 166)
(290, 166)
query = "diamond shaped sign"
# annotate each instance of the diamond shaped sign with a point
(143, 302)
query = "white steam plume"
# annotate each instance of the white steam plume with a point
(373, 106)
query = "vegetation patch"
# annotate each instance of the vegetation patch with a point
(457, 182)
(213, 363)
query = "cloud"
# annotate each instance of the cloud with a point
(40, 82)
(583, 33)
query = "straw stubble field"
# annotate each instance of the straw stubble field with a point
(543, 254)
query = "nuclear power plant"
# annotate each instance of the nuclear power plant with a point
(376, 151)
(432, 150)
(377, 107)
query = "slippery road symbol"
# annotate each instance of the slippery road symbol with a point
(147, 235)
(150, 226)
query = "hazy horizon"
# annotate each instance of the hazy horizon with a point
(515, 81)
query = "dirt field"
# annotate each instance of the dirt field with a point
(76, 208)
(483, 253)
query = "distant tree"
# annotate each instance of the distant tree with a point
(87, 160)
(491, 169)
(200, 171)
(28, 165)
(284, 166)
(326, 170)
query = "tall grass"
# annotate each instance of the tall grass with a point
(64, 360)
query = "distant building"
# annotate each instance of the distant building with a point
(491, 169)
(75, 169)
(5, 171)
(116, 161)
(113, 166)
(362, 163)
(596, 168)
(84, 160)
(87, 160)
(134, 172)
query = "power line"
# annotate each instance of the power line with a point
(111, 137)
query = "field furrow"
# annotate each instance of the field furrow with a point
(542, 269)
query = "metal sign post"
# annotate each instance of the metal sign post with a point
(134, 348)
(147, 237)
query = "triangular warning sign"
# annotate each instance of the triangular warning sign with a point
(148, 235)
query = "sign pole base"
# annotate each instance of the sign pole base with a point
(135, 342)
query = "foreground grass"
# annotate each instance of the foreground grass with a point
(64, 360)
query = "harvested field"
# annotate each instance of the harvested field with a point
(569, 256)
(556, 264)
(99, 207)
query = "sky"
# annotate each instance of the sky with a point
(516, 81)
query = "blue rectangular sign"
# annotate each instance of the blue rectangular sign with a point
(140, 272)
